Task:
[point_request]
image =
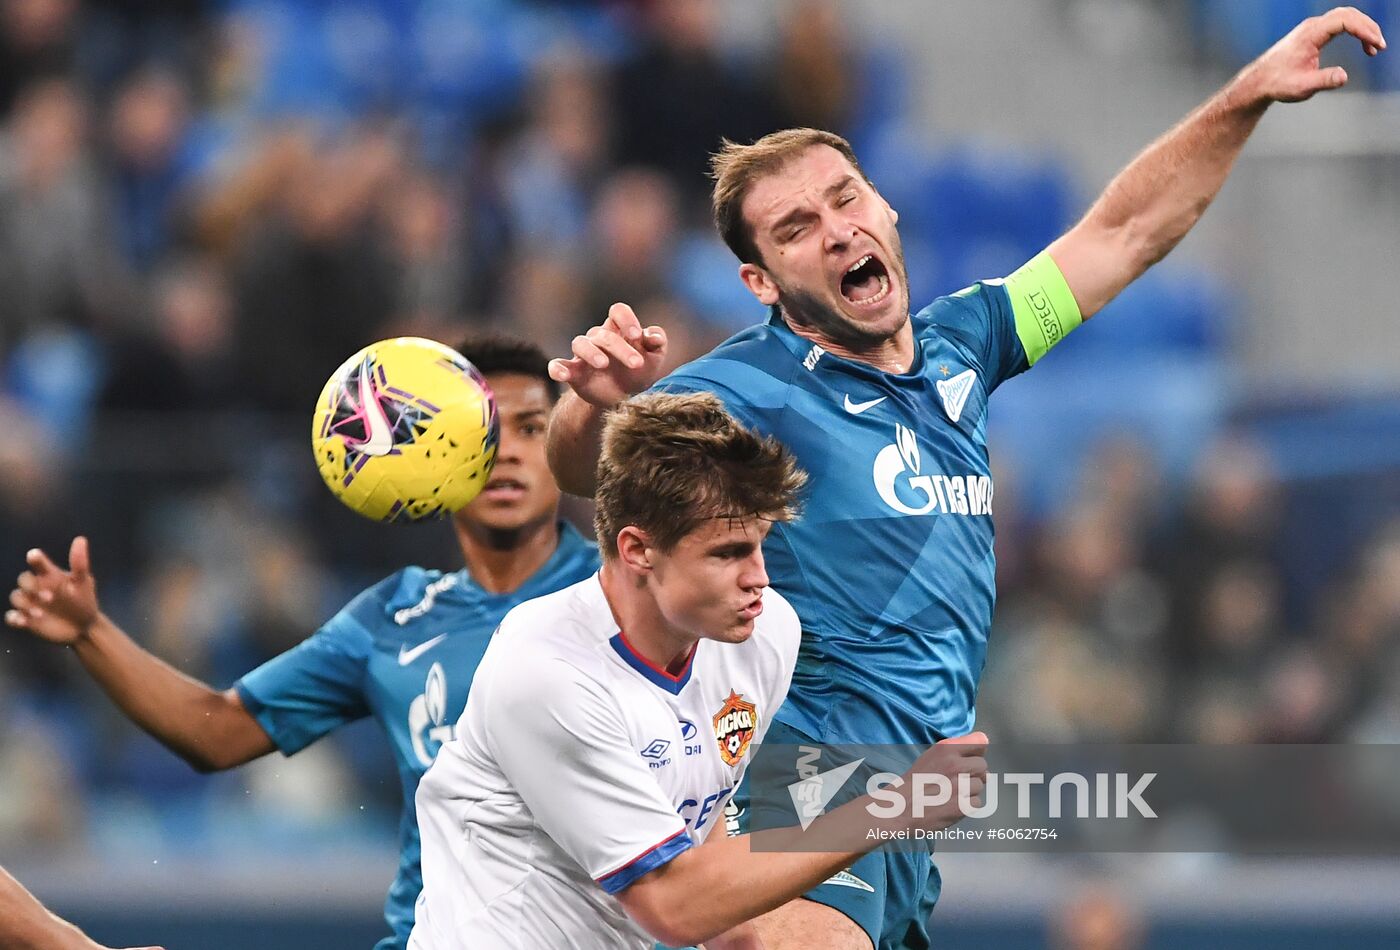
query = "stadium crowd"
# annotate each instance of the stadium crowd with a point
(204, 207)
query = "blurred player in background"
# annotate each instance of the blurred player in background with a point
(404, 651)
(26, 925)
(611, 721)
(891, 569)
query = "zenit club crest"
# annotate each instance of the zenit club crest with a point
(734, 727)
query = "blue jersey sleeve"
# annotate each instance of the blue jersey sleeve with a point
(753, 393)
(318, 685)
(1008, 325)
(981, 321)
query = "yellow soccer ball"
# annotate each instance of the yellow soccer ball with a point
(405, 430)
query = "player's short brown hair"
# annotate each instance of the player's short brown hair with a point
(672, 461)
(736, 167)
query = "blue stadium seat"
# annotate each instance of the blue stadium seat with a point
(982, 213)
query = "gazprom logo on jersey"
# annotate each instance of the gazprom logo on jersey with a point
(428, 726)
(904, 488)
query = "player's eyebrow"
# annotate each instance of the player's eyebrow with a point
(797, 214)
(526, 414)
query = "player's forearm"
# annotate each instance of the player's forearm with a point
(1152, 203)
(209, 729)
(743, 937)
(575, 442)
(26, 925)
(740, 883)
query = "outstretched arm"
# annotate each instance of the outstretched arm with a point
(26, 925)
(1148, 208)
(210, 729)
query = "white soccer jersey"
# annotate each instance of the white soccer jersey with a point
(578, 767)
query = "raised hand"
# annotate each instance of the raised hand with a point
(613, 360)
(56, 605)
(1291, 70)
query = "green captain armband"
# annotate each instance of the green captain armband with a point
(1044, 307)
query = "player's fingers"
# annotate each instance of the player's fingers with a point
(1350, 20)
(17, 619)
(28, 582)
(588, 351)
(1333, 77)
(612, 343)
(974, 766)
(79, 561)
(39, 561)
(623, 319)
(559, 370)
(975, 743)
(26, 603)
(654, 339)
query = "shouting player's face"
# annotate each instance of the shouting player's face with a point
(521, 491)
(710, 585)
(831, 252)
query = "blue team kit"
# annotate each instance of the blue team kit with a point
(404, 651)
(890, 567)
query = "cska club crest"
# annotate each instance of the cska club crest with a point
(735, 724)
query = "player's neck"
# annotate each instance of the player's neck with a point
(500, 560)
(641, 620)
(894, 354)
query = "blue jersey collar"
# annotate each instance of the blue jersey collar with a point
(671, 684)
(802, 348)
(572, 547)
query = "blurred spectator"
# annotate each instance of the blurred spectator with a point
(151, 162)
(552, 168)
(677, 97)
(1229, 519)
(36, 42)
(36, 510)
(1077, 654)
(56, 265)
(542, 299)
(182, 360)
(1097, 919)
(312, 283)
(425, 249)
(815, 66)
(43, 810)
(633, 239)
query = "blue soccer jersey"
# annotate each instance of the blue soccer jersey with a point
(890, 567)
(404, 651)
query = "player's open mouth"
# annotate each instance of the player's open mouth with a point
(752, 610)
(866, 282)
(504, 489)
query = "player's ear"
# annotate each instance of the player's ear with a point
(634, 549)
(759, 283)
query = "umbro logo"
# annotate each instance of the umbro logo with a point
(856, 408)
(407, 655)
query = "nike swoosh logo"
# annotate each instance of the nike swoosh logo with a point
(407, 656)
(380, 435)
(856, 408)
